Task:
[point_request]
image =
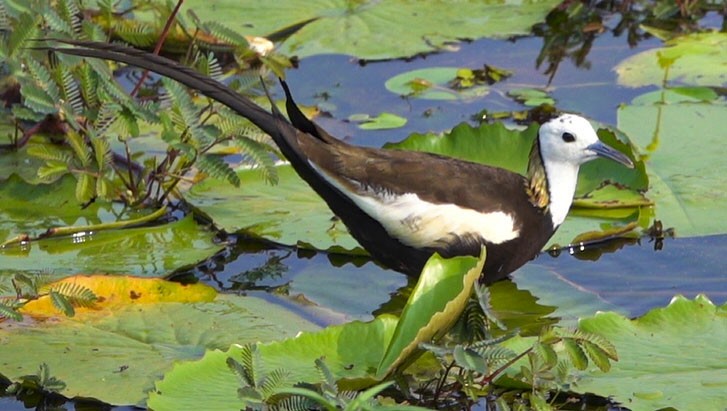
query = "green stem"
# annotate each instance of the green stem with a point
(68, 230)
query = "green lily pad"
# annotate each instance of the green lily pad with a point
(682, 143)
(149, 251)
(374, 30)
(289, 212)
(694, 59)
(116, 357)
(20, 163)
(432, 84)
(602, 184)
(531, 97)
(671, 357)
(383, 121)
(209, 383)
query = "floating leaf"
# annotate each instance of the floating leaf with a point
(191, 385)
(672, 357)
(531, 97)
(289, 212)
(432, 84)
(381, 122)
(374, 30)
(682, 142)
(694, 59)
(114, 292)
(149, 251)
(135, 333)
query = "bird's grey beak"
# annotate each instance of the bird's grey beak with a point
(605, 151)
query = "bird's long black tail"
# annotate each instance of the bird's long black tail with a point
(270, 123)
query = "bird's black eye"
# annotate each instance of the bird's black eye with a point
(568, 137)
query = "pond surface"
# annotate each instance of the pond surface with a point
(628, 276)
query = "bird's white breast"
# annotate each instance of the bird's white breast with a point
(419, 223)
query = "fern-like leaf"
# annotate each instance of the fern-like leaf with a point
(25, 113)
(52, 170)
(24, 30)
(49, 152)
(85, 188)
(69, 89)
(79, 147)
(249, 362)
(259, 154)
(575, 353)
(102, 152)
(43, 78)
(61, 303)
(546, 353)
(484, 344)
(596, 339)
(294, 403)
(216, 167)
(225, 33)
(37, 99)
(9, 311)
(597, 355)
(56, 22)
(272, 381)
(188, 113)
(496, 354)
(137, 33)
(210, 67)
(484, 298)
(70, 11)
(76, 294)
(104, 188)
(89, 84)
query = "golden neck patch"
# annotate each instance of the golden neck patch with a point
(537, 186)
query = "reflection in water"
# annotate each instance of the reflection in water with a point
(632, 280)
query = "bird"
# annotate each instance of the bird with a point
(404, 206)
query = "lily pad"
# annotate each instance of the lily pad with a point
(531, 97)
(374, 30)
(682, 143)
(432, 84)
(383, 121)
(150, 251)
(694, 59)
(210, 379)
(672, 357)
(115, 355)
(289, 212)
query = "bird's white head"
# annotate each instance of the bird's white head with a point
(566, 142)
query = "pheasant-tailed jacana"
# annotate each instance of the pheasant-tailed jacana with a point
(402, 206)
